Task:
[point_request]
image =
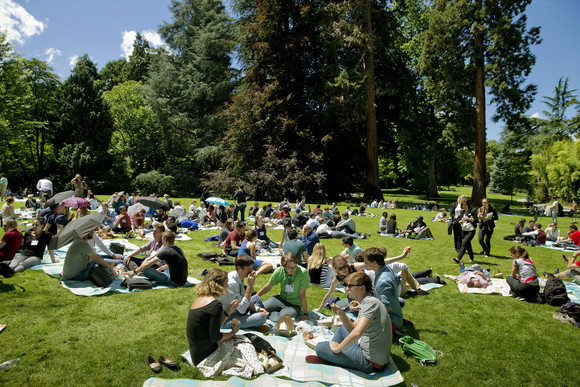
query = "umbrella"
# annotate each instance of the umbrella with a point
(75, 202)
(218, 201)
(154, 203)
(135, 208)
(76, 229)
(59, 197)
(116, 198)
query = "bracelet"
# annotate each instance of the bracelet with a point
(226, 313)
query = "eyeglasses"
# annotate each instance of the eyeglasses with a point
(348, 286)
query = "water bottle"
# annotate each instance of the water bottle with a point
(8, 364)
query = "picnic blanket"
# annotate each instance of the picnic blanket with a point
(87, 288)
(263, 381)
(293, 352)
(550, 245)
(498, 286)
(178, 237)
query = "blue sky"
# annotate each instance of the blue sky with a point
(60, 30)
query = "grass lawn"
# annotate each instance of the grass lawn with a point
(63, 339)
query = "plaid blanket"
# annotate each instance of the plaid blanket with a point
(293, 351)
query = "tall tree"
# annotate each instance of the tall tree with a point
(83, 133)
(472, 44)
(189, 87)
(139, 60)
(557, 122)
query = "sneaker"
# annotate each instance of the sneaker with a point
(440, 280)
(422, 292)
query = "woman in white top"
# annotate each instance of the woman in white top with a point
(552, 232)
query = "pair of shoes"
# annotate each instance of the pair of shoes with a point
(422, 292)
(5, 270)
(156, 365)
(440, 280)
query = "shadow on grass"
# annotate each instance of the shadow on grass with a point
(5, 288)
(401, 363)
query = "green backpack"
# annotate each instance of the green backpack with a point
(419, 350)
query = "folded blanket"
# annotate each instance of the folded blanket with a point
(234, 357)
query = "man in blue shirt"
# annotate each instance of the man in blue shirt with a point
(386, 285)
(309, 238)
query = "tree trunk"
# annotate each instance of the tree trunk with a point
(372, 186)
(432, 176)
(478, 191)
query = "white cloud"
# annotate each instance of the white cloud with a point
(154, 38)
(19, 24)
(536, 115)
(52, 52)
(127, 44)
(72, 60)
(129, 37)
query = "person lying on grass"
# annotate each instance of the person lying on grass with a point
(364, 344)
(173, 272)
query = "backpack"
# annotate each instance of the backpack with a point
(555, 292)
(100, 276)
(419, 350)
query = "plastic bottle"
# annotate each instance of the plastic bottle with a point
(8, 364)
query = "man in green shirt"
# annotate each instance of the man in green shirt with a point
(294, 281)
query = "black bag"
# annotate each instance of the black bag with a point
(117, 248)
(208, 256)
(555, 292)
(100, 276)
(450, 228)
(137, 283)
(509, 238)
(260, 344)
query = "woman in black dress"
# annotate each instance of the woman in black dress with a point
(206, 316)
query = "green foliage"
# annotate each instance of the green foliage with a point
(114, 73)
(85, 125)
(154, 182)
(509, 172)
(557, 171)
(135, 141)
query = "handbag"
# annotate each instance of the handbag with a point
(137, 283)
(117, 248)
(100, 276)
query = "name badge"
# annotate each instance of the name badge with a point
(289, 288)
(34, 242)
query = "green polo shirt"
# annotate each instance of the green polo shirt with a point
(290, 286)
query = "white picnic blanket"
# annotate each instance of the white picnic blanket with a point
(498, 286)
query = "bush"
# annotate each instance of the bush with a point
(154, 182)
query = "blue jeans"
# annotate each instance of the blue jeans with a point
(279, 307)
(242, 209)
(351, 357)
(84, 275)
(162, 278)
(250, 319)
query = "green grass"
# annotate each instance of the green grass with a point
(63, 339)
